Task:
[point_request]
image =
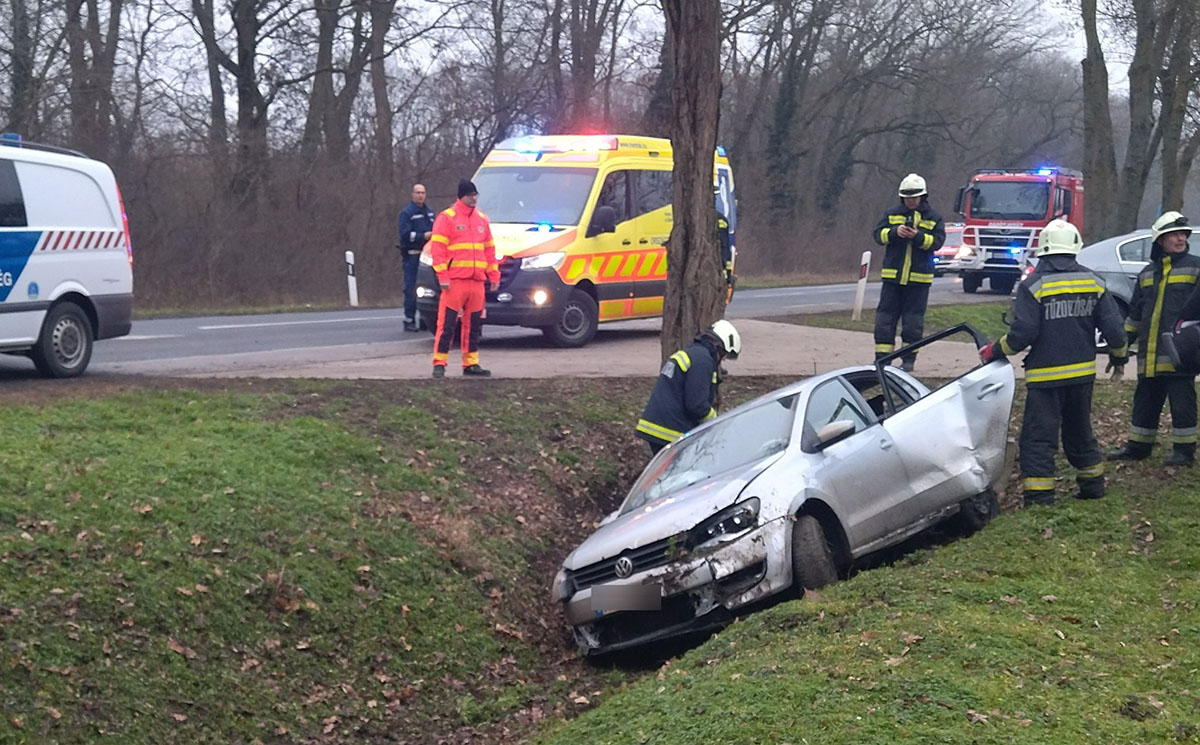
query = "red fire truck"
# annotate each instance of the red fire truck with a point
(1004, 211)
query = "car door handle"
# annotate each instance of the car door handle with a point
(988, 390)
(885, 444)
(626, 242)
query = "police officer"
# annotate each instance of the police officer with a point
(685, 393)
(415, 227)
(1056, 313)
(910, 232)
(1163, 288)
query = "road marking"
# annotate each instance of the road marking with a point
(147, 337)
(297, 323)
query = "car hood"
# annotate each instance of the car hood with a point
(667, 516)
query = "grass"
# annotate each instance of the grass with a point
(987, 317)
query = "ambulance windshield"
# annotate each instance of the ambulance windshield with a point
(529, 194)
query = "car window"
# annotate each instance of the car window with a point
(615, 193)
(832, 401)
(12, 203)
(731, 442)
(1137, 249)
(653, 191)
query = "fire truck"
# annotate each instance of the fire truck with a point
(1004, 211)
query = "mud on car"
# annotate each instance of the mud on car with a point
(788, 491)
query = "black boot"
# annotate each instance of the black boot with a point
(1092, 488)
(1131, 451)
(1039, 497)
(1181, 455)
(475, 371)
(908, 364)
(439, 371)
(410, 325)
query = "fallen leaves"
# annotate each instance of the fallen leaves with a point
(177, 647)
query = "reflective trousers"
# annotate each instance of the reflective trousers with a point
(459, 304)
(1049, 411)
(1148, 399)
(903, 304)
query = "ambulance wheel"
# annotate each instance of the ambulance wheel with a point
(971, 283)
(577, 321)
(64, 347)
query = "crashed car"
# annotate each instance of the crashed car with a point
(788, 491)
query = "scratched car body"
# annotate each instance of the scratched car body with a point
(787, 491)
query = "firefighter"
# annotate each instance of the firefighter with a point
(910, 232)
(726, 254)
(1056, 313)
(1163, 288)
(464, 257)
(685, 393)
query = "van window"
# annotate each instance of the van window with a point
(12, 204)
(534, 194)
(615, 194)
(63, 198)
(653, 191)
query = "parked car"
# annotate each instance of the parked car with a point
(943, 257)
(786, 492)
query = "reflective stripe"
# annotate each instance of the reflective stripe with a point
(927, 224)
(465, 247)
(883, 236)
(1142, 434)
(660, 432)
(907, 264)
(712, 414)
(440, 267)
(1033, 483)
(1091, 472)
(1150, 352)
(1130, 327)
(1183, 435)
(439, 239)
(1068, 286)
(896, 219)
(1060, 372)
(928, 241)
(1121, 351)
(920, 277)
(1005, 347)
(1177, 279)
(884, 348)
(470, 263)
(1146, 281)
(449, 211)
(888, 273)
(682, 359)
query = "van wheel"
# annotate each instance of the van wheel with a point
(971, 283)
(577, 321)
(64, 347)
(812, 556)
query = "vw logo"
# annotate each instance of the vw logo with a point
(624, 567)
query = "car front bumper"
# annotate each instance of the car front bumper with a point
(513, 304)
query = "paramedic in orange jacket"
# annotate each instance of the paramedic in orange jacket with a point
(464, 257)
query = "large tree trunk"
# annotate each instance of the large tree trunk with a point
(1177, 81)
(695, 291)
(252, 150)
(218, 125)
(320, 99)
(381, 16)
(23, 113)
(1100, 164)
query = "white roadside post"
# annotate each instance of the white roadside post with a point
(860, 293)
(351, 280)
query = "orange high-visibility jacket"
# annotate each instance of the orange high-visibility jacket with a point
(462, 247)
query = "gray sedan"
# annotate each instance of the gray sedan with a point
(1118, 261)
(787, 491)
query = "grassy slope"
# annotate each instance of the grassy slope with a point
(1072, 624)
(984, 316)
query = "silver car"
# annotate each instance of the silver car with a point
(787, 491)
(1118, 261)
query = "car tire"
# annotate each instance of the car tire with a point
(812, 556)
(64, 346)
(1002, 286)
(427, 321)
(971, 283)
(577, 321)
(976, 511)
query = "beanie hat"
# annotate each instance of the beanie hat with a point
(465, 188)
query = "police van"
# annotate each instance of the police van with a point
(66, 263)
(580, 223)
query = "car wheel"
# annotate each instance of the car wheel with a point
(428, 321)
(1002, 286)
(812, 556)
(64, 346)
(971, 283)
(577, 321)
(977, 511)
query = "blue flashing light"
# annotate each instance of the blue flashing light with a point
(721, 150)
(10, 138)
(544, 227)
(1046, 171)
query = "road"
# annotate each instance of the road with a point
(171, 346)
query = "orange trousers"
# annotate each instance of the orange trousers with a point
(460, 304)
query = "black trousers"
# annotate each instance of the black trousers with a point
(904, 305)
(1148, 399)
(1067, 410)
(411, 263)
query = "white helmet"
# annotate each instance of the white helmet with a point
(1059, 237)
(913, 186)
(1169, 222)
(730, 340)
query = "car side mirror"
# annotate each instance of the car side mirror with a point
(958, 201)
(604, 220)
(834, 432)
(610, 517)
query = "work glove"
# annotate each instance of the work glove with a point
(990, 352)
(1115, 369)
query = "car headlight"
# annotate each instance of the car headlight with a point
(550, 260)
(426, 258)
(964, 253)
(562, 588)
(730, 521)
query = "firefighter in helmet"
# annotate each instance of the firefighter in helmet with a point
(685, 393)
(1056, 313)
(1163, 289)
(910, 232)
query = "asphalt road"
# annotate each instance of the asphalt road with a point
(219, 343)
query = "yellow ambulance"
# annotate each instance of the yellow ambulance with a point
(579, 223)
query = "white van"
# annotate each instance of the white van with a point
(66, 263)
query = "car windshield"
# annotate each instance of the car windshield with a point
(1009, 200)
(730, 443)
(527, 194)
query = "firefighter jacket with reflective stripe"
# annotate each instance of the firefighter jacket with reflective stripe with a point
(1163, 289)
(683, 394)
(726, 244)
(1056, 313)
(910, 260)
(462, 245)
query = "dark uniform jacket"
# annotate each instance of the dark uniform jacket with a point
(415, 221)
(1163, 289)
(910, 260)
(683, 395)
(1056, 313)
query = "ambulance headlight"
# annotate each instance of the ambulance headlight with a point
(551, 260)
(540, 297)
(426, 258)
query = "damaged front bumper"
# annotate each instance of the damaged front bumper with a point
(695, 593)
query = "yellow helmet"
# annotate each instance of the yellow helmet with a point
(912, 185)
(1169, 222)
(1059, 237)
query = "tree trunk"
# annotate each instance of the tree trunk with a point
(252, 105)
(1100, 160)
(1177, 82)
(695, 292)
(321, 98)
(656, 120)
(381, 15)
(23, 113)
(218, 124)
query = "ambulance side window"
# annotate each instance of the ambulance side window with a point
(653, 191)
(12, 203)
(614, 192)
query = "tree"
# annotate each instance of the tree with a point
(694, 296)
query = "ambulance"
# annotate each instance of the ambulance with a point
(580, 223)
(66, 263)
